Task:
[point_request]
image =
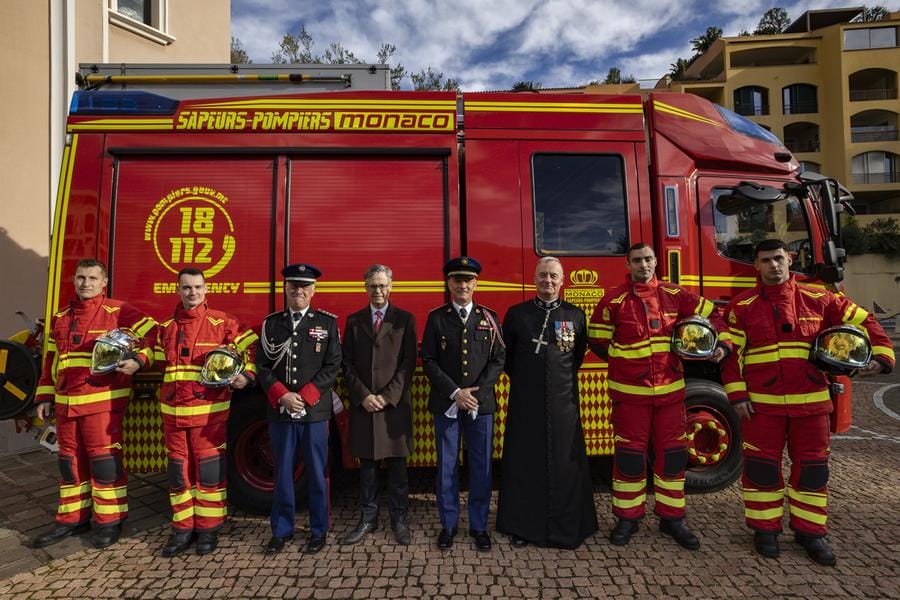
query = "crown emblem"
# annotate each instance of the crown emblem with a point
(464, 260)
(583, 277)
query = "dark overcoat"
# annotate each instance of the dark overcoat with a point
(384, 364)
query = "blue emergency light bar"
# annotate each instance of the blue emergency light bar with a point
(121, 103)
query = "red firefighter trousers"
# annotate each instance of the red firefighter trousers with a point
(807, 492)
(92, 478)
(636, 426)
(197, 483)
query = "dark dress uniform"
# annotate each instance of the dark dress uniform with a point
(304, 358)
(461, 355)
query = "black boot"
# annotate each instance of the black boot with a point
(766, 544)
(363, 528)
(59, 533)
(678, 531)
(817, 549)
(622, 532)
(207, 542)
(106, 536)
(178, 542)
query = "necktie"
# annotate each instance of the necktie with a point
(463, 314)
(296, 316)
(378, 320)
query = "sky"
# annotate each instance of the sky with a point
(491, 44)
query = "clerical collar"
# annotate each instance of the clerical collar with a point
(547, 305)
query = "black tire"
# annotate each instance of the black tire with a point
(18, 378)
(708, 398)
(250, 463)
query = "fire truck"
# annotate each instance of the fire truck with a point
(241, 181)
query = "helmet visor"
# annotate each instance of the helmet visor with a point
(110, 349)
(694, 339)
(844, 348)
(222, 365)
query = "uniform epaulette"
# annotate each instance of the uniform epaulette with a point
(274, 314)
(325, 312)
(441, 307)
(62, 313)
(487, 308)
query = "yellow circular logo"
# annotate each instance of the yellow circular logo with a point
(191, 227)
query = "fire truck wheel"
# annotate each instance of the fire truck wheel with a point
(250, 462)
(18, 378)
(714, 431)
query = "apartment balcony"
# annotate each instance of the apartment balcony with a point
(873, 94)
(876, 178)
(752, 110)
(800, 108)
(860, 135)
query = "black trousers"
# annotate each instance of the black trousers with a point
(370, 488)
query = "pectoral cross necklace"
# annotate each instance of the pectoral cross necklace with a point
(539, 340)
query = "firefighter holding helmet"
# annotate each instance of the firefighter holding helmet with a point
(205, 354)
(644, 328)
(784, 335)
(94, 346)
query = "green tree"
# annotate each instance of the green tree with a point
(679, 67)
(614, 76)
(883, 236)
(239, 55)
(773, 21)
(427, 80)
(336, 54)
(398, 71)
(875, 13)
(295, 49)
(701, 43)
(526, 86)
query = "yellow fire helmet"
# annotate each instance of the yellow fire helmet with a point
(111, 348)
(694, 338)
(222, 365)
(841, 350)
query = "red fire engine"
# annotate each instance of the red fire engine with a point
(240, 185)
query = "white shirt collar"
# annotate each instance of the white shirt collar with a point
(468, 307)
(383, 310)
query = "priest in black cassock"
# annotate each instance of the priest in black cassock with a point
(546, 494)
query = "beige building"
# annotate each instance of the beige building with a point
(44, 41)
(827, 87)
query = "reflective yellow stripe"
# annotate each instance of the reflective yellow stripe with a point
(883, 351)
(638, 390)
(143, 326)
(68, 363)
(669, 501)
(809, 398)
(190, 411)
(759, 496)
(855, 318)
(110, 493)
(250, 368)
(245, 340)
(181, 515)
(629, 486)
(811, 498)
(773, 357)
(737, 386)
(169, 377)
(45, 390)
(70, 507)
(206, 511)
(764, 515)
(110, 509)
(70, 491)
(808, 516)
(704, 308)
(89, 398)
(657, 345)
(159, 355)
(180, 497)
(673, 485)
(622, 503)
(217, 496)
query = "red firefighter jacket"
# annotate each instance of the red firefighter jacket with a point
(66, 375)
(632, 328)
(772, 329)
(183, 344)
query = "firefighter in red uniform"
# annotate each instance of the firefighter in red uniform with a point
(783, 397)
(632, 328)
(195, 415)
(89, 408)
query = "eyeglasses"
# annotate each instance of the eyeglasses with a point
(377, 286)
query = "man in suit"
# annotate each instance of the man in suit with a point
(379, 361)
(297, 361)
(462, 355)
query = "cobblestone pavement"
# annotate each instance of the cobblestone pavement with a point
(864, 520)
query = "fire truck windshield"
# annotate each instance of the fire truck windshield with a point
(748, 127)
(741, 224)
